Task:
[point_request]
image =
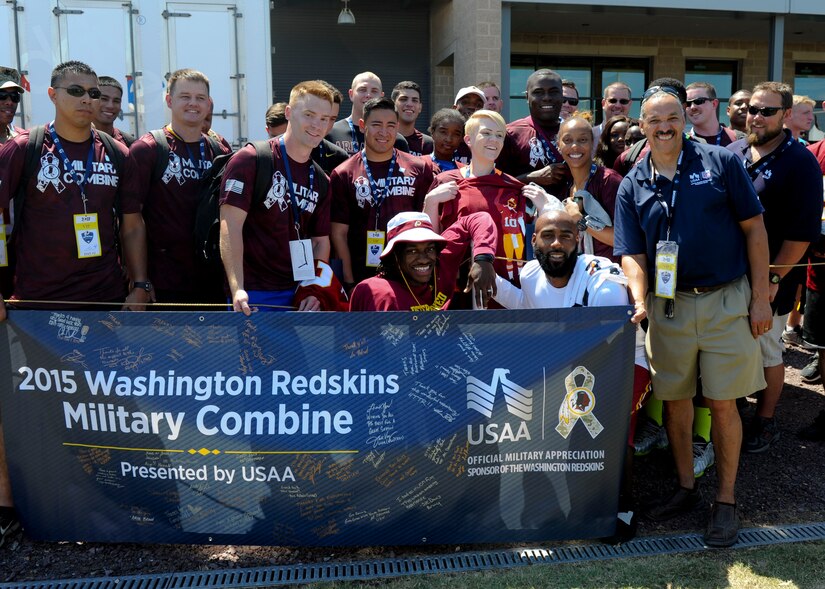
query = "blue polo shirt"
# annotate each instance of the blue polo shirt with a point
(714, 196)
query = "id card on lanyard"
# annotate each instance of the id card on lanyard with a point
(667, 252)
(86, 228)
(376, 237)
(300, 250)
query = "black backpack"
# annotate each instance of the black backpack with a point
(207, 215)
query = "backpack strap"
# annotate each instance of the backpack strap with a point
(34, 149)
(635, 151)
(118, 160)
(264, 169)
(162, 154)
(215, 147)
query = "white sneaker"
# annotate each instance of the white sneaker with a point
(649, 437)
(703, 458)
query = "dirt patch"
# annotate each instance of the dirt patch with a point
(783, 485)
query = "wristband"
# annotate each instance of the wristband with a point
(484, 258)
(143, 285)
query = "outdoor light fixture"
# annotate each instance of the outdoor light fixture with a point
(346, 17)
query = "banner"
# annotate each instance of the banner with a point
(317, 428)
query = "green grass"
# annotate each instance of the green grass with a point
(787, 566)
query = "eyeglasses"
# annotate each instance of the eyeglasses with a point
(570, 101)
(656, 89)
(13, 96)
(622, 101)
(765, 111)
(697, 101)
(79, 91)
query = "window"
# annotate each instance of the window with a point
(723, 75)
(590, 74)
(809, 80)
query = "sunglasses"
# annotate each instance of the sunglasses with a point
(656, 89)
(765, 111)
(696, 101)
(570, 101)
(79, 91)
(622, 101)
(14, 96)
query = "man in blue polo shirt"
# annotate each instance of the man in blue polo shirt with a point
(689, 228)
(789, 183)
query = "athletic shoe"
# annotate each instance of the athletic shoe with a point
(9, 525)
(680, 501)
(763, 432)
(815, 432)
(703, 457)
(649, 437)
(723, 526)
(810, 374)
(793, 336)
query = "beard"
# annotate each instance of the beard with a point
(770, 134)
(553, 269)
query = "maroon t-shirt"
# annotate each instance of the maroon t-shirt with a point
(604, 185)
(527, 147)
(269, 225)
(169, 205)
(48, 266)
(499, 195)
(353, 203)
(382, 294)
(816, 274)
(420, 144)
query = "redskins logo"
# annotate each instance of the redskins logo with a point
(362, 191)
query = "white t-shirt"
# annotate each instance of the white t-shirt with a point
(602, 280)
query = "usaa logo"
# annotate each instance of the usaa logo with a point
(482, 395)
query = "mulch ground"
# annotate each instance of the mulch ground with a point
(781, 486)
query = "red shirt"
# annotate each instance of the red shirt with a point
(352, 199)
(169, 205)
(499, 195)
(527, 147)
(382, 294)
(48, 267)
(269, 225)
(420, 144)
(604, 185)
(816, 274)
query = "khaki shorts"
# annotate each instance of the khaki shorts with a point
(710, 332)
(771, 343)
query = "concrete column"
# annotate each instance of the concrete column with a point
(776, 48)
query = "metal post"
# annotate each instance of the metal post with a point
(506, 40)
(17, 9)
(776, 48)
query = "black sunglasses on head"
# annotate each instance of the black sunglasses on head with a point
(571, 101)
(765, 111)
(79, 91)
(14, 96)
(697, 101)
(656, 89)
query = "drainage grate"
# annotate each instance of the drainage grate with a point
(260, 578)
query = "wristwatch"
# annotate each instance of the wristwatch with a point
(144, 284)
(774, 278)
